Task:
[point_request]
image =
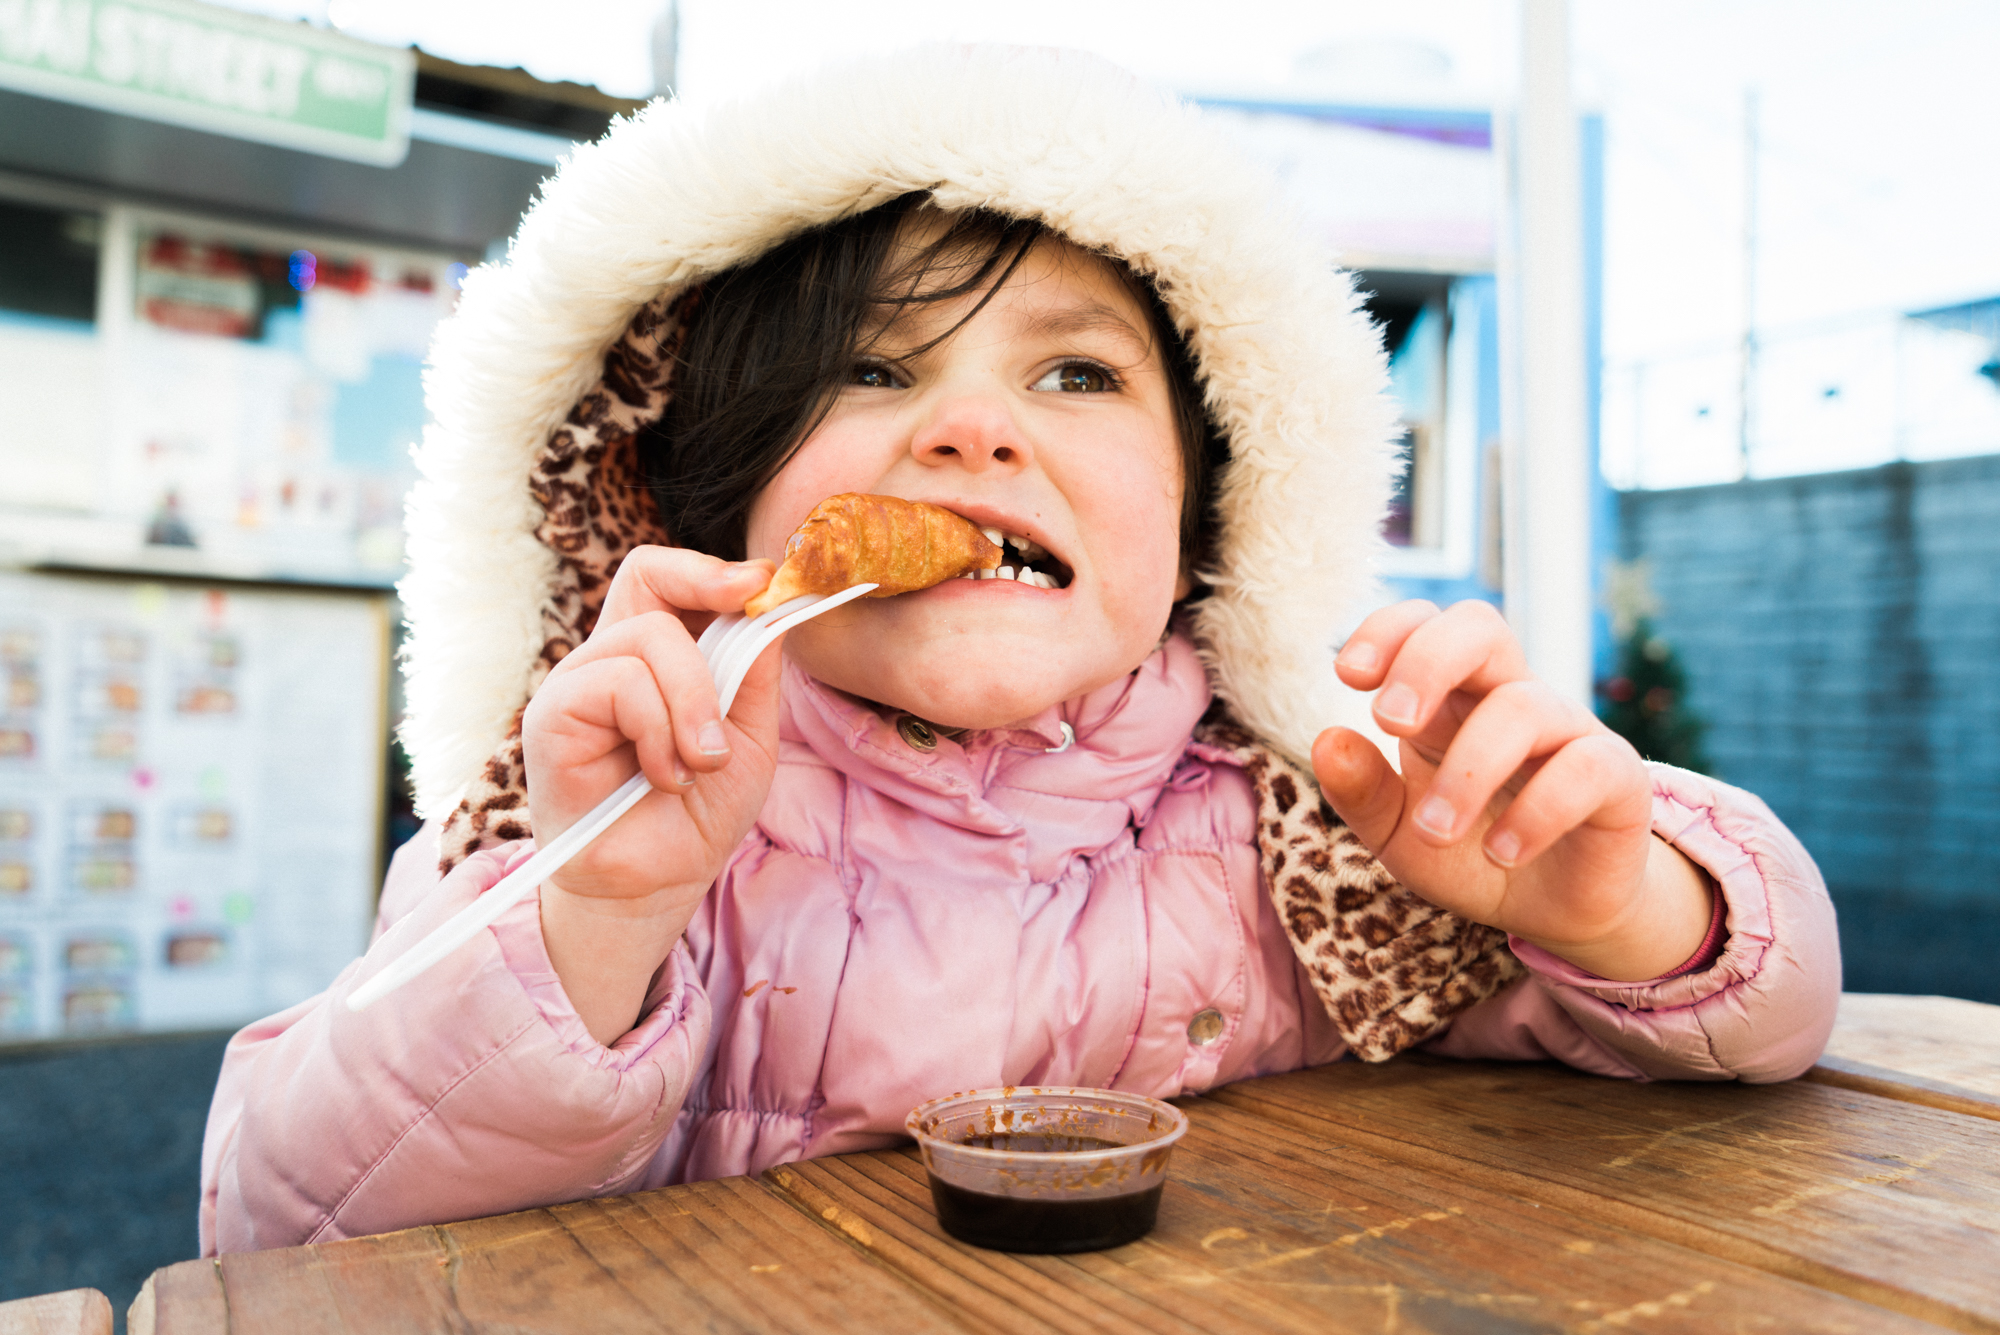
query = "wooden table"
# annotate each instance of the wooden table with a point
(1417, 1196)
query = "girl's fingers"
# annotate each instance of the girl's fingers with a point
(662, 643)
(581, 719)
(677, 579)
(1596, 780)
(1466, 649)
(1517, 722)
(691, 730)
(1359, 784)
(1376, 641)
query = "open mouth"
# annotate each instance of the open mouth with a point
(1024, 561)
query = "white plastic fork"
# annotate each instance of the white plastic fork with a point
(729, 647)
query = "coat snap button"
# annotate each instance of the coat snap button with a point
(917, 733)
(1205, 1027)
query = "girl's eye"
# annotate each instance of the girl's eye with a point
(874, 376)
(1078, 378)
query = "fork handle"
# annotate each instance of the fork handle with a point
(511, 889)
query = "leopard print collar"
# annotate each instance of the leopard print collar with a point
(1391, 969)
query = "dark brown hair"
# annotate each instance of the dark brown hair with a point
(771, 342)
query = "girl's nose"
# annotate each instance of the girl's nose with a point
(976, 430)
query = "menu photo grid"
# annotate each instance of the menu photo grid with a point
(130, 778)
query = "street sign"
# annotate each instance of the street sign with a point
(216, 70)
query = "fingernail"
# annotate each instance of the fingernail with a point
(711, 740)
(1398, 705)
(681, 776)
(1436, 817)
(1360, 657)
(1504, 847)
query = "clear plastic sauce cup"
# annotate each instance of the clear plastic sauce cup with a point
(1046, 1169)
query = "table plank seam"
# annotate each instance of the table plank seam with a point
(1883, 1083)
(651, 1251)
(576, 1240)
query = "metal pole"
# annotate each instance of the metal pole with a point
(666, 44)
(1548, 493)
(1747, 388)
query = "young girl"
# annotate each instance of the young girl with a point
(1053, 827)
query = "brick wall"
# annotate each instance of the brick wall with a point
(1842, 638)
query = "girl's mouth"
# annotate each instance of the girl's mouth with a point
(1025, 561)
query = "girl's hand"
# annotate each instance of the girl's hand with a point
(1515, 808)
(636, 696)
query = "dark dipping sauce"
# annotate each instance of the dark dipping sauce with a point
(1040, 1143)
(1044, 1225)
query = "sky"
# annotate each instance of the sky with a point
(1879, 130)
(1880, 169)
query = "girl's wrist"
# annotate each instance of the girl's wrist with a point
(606, 951)
(1669, 923)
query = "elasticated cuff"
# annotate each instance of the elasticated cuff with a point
(1710, 949)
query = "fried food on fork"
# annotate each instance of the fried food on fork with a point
(855, 539)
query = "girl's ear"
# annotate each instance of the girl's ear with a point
(1183, 585)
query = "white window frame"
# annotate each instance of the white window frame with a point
(1451, 557)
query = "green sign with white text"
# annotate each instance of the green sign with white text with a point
(216, 70)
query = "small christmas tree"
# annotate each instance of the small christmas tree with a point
(1643, 701)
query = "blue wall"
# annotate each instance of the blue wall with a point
(1841, 634)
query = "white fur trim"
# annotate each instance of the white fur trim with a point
(1292, 368)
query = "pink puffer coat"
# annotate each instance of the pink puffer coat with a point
(902, 924)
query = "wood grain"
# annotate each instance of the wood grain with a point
(1418, 1196)
(725, 1256)
(71, 1312)
(1265, 1227)
(1895, 1204)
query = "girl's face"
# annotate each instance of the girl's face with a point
(1047, 416)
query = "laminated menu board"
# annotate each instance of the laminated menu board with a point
(190, 799)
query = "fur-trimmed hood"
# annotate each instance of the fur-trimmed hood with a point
(538, 383)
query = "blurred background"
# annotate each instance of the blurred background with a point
(216, 288)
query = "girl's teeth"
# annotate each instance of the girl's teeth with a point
(1034, 578)
(1029, 549)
